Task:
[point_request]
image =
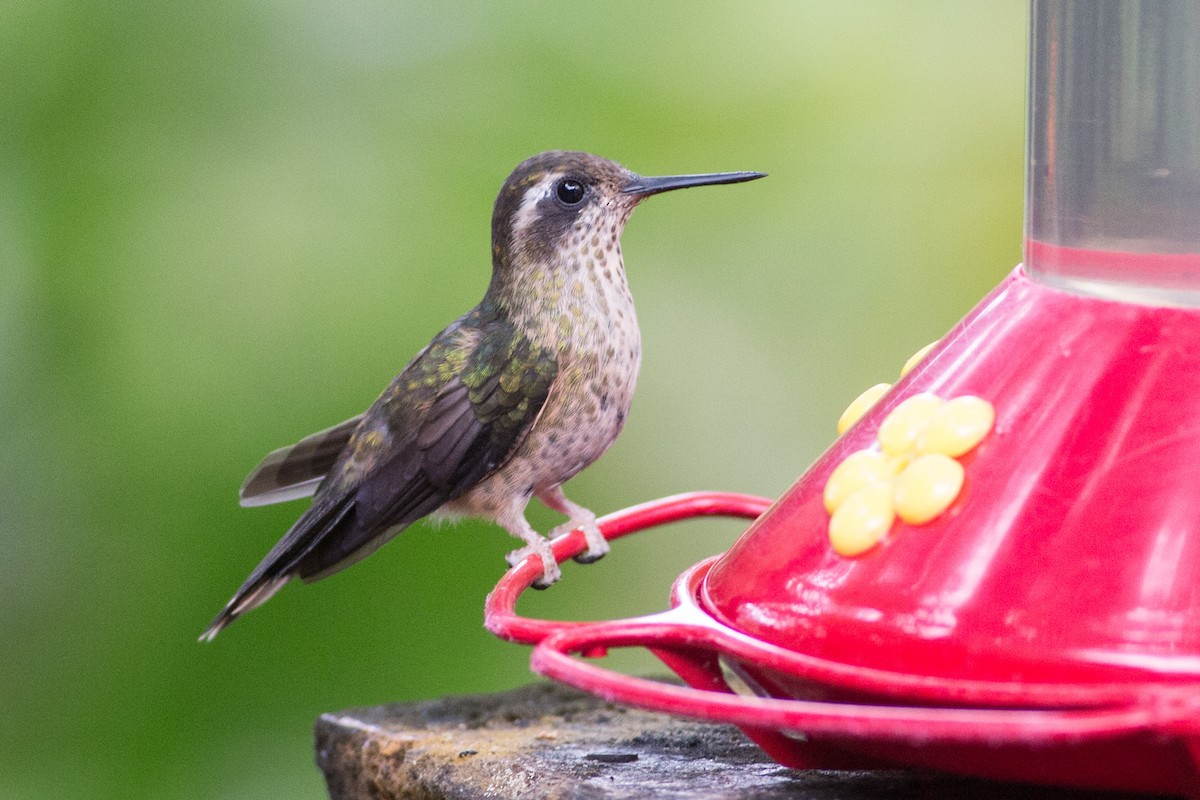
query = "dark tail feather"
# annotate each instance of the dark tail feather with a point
(242, 602)
(281, 564)
(334, 554)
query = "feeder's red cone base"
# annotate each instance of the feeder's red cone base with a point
(1072, 554)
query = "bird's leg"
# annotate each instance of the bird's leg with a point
(513, 520)
(577, 517)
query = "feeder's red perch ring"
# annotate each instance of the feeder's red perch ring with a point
(500, 615)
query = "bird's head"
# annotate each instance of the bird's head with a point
(561, 203)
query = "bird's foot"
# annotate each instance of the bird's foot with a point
(579, 518)
(550, 569)
(597, 545)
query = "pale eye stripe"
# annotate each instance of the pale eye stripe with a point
(527, 212)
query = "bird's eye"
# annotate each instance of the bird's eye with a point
(570, 191)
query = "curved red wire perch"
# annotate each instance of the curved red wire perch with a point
(500, 615)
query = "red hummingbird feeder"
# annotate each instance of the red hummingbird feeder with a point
(1039, 619)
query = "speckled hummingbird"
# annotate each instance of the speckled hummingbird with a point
(506, 404)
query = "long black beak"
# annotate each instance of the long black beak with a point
(644, 187)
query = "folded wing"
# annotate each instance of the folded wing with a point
(443, 425)
(297, 470)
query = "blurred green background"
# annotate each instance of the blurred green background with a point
(226, 225)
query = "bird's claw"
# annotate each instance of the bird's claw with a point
(550, 569)
(542, 584)
(597, 545)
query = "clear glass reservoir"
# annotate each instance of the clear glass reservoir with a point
(1113, 173)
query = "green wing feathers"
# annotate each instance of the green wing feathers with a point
(455, 415)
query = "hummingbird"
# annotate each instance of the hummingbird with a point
(507, 403)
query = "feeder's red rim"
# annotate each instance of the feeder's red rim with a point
(990, 726)
(689, 627)
(687, 594)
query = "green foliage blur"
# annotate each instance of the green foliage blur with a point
(224, 226)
